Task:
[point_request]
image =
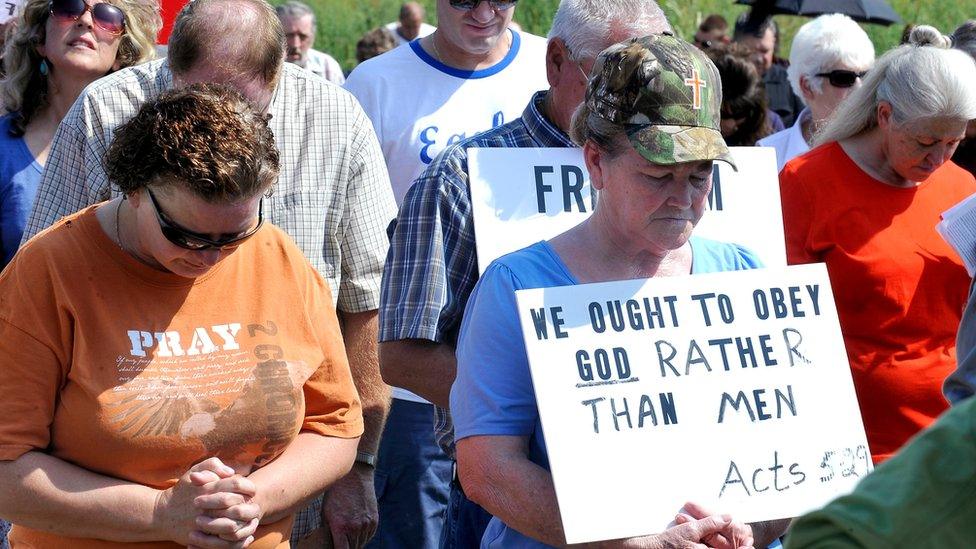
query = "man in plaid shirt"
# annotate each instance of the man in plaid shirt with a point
(432, 266)
(332, 197)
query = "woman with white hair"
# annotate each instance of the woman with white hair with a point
(828, 58)
(866, 201)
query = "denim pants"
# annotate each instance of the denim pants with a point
(466, 521)
(4, 528)
(413, 478)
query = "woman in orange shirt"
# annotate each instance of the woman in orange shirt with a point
(172, 367)
(866, 202)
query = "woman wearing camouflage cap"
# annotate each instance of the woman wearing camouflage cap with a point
(649, 129)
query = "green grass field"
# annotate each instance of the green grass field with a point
(342, 22)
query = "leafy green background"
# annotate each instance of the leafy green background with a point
(342, 22)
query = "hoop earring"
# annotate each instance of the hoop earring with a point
(44, 68)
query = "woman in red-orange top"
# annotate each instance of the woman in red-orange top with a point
(866, 202)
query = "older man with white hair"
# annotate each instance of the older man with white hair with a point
(298, 21)
(828, 58)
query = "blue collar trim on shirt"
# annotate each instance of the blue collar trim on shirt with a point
(470, 75)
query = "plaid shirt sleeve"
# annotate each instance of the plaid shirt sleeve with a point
(432, 265)
(369, 208)
(73, 175)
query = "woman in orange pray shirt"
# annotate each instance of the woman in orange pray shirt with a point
(173, 369)
(866, 202)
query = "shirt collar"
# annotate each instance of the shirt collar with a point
(540, 128)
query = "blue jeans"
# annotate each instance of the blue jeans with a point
(413, 477)
(4, 528)
(466, 521)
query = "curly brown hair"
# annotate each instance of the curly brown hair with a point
(206, 138)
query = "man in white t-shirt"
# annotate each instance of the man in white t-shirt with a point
(298, 21)
(410, 25)
(472, 74)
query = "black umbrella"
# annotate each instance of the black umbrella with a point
(866, 11)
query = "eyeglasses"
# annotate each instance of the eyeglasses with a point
(195, 241)
(105, 16)
(468, 5)
(841, 78)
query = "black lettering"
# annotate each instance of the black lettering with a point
(597, 321)
(695, 356)
(573, 189)
(760, 405)
(666, 361)
(786, 399)
(646, 410)
(541, 187)
(667, 408)
(625, 413)
(814, 292)
(795, 302)
(794, 347)
(596, 418)
(539, 321)
(737, 479)
(740, 400)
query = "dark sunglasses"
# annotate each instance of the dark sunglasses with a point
(468, 5)
(195, 241)
(105, 16)
(842, 79)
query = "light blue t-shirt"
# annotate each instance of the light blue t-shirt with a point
(20, 175)
(493, 393)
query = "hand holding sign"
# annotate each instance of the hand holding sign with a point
(693, 387)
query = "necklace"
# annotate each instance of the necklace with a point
(437, 54)
(118, 233)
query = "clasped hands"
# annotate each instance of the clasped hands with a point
(210, 507)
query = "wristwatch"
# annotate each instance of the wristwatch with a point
(366, 459)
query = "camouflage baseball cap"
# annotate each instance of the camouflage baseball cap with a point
(667, 92)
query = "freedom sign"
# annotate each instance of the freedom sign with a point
(523, 195)
(8, 9)
(732, 390)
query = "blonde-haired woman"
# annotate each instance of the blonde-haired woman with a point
(56, 48)
(866, 202)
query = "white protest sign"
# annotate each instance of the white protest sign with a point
(522, 195)
(8, 8)
(732, 390)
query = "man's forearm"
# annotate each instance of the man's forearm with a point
(425, 367)
(360, 334)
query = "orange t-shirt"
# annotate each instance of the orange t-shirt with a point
(899, 287)
(139, 374)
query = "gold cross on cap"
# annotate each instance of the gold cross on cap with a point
(696, 84)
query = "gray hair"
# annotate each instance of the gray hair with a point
(587, 26)
(825, 42)
(589, 126)
(294, 9)
(964, 38)
(919, 80)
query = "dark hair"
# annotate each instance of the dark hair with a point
(243, 36)
(755, 23)
(373, 43)
(205, 137)
(743, 95)
(713, 22)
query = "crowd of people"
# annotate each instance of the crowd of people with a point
(276, 262)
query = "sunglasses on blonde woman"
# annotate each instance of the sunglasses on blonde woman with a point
(105, 16)
(468, 5)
